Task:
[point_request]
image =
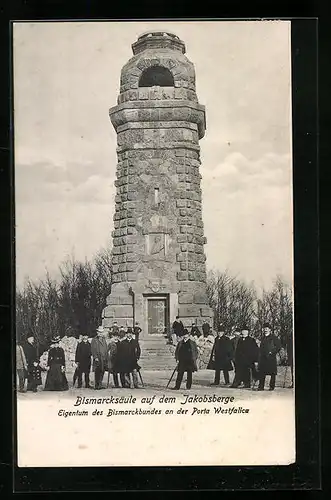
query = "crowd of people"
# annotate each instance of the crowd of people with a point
(240, 353)
(119, 357)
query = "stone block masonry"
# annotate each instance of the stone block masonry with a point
(158, 259)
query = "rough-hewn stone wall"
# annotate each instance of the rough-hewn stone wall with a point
(158, 131)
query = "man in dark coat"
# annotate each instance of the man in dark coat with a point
(221, 357)
(246, 356)
(74, 378)
(113, 330)
(195, 332)
(186, 355)
(99, 350)
(133, 357)
(122, 359)
(112, 359)
(136, 330)
(205, 329)
(235, 338)
(178, 327)
(83, 360)
(269, 347)
(32, 360)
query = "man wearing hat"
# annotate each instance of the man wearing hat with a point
(114, 330)
(269, 347)
(246, 356)
(178, 327)
(133, 355)
(206, 329)
(112, 358)
(99, 351)
(122, 359)
(186, 355)
(137, 331)
(32, 361)
(195, 332)
(74, 378)
(221, 357)
(83, 361)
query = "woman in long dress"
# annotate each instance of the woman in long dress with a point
(56, 379)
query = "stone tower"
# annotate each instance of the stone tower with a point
(159, 268)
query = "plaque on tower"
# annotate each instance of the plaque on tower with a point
(156, 244)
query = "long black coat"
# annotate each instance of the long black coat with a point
(137, 330)
(234, 342)
(30, 352)
(56, 379)
(99, 350)
(205, 329)
(247, 352)
(83, 356)
(128, 353)
(269, 348)
(221, 355)
(186, 354)
(112, 357)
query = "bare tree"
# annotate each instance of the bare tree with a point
(276, 307)
(231, 299)
(69, 306)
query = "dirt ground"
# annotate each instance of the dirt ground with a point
(157, 381)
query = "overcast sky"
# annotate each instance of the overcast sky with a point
(66, 77)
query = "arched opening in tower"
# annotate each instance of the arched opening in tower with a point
(156, 76)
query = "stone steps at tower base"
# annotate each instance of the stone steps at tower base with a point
(156, 355)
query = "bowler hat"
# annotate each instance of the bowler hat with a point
(266, 325)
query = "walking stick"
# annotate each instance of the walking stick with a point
(108, 379)
(141, 379)
(74, 377)
(173, 373)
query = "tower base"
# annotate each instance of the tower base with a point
(156, 310)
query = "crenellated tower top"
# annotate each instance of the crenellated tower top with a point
(158, 40)
(159, 60)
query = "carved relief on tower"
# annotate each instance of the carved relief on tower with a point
(156, 245)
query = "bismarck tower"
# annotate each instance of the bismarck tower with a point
(159, 268)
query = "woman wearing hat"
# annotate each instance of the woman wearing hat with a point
(56, 379)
